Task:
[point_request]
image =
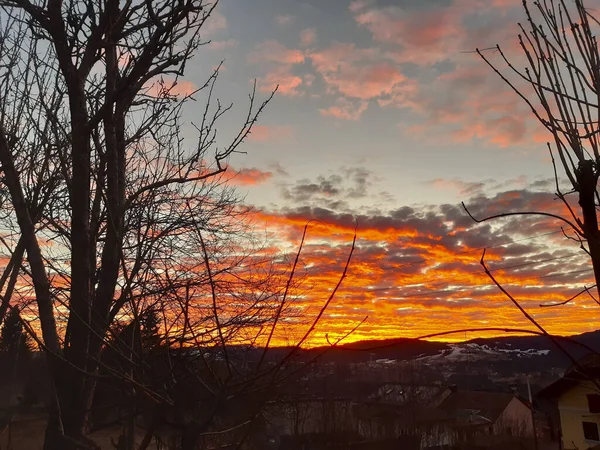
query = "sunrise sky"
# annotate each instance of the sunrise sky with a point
(385, 115)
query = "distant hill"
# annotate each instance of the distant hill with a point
(539, 343)
(369, 350)
(537, 348)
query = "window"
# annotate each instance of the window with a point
(590, 431)
(593, 403)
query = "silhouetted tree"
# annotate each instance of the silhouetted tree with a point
(93, 161)
(13, 338)
(560, 83)
(109, 214)
(150, 330)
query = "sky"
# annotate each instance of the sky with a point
(385, 119)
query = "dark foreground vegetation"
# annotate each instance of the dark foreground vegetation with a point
(138, 308)
(400, 394)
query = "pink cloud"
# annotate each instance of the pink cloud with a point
(339, 55)
(124, 59)
(264, 133)
(308, 79)
(474, 100)
(178, 88)
(221, 45)
(308, 37)
(345, 109)
(471, 90)
(284, 19)
(281, 61)
(274, 52)
(356, 73)
(423, 28)
(366, 82)
(282, 79)
(359, 5)
(402, 95)
(182, 88)
(250, 176)
(425, 36)
(460, 186)
(215, 23)
(541, 135)
(503, 3)
(469, 93)
(503, 131)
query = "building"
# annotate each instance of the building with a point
(577, 397)
(480, 412)
(452, 419)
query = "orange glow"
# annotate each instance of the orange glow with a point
(438, 289)
(250, 176)
(408, 281)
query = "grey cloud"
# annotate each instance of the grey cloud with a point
(333, 190)
(421, 233)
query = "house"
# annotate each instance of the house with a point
(577, 397)
(481, 412)
(452, 418)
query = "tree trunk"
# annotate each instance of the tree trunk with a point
(587, 179)
(189, 437)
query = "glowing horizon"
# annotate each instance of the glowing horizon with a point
(387, 119)
(383, 122)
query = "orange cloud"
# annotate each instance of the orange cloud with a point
(414, 270)
(250, 176)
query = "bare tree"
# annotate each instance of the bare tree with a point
(106, 211)
(113, 225)
(560, 83)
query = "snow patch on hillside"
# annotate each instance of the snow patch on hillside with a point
(472, 351)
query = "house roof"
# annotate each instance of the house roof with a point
(587, 368)
(487, 405)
